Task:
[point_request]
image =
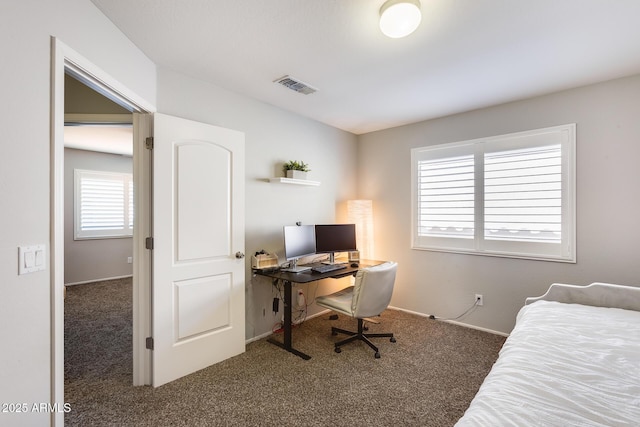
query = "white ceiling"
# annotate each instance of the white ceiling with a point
(466, 54)
(104, 139)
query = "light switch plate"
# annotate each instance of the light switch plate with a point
(31, 259)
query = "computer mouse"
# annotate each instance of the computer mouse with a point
(354, 264)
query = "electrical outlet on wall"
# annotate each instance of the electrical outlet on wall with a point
(479, 299)
(129, 260)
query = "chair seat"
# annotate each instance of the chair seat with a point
(338, 301)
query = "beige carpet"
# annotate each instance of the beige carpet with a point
(427, 378)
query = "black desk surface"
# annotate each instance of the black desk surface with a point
(309, 276)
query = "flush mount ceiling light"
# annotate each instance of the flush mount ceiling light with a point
(399, 18)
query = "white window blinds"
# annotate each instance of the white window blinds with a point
(103, 204)
(509, 195)
(523, 194)
(446, 197)
(131, 210)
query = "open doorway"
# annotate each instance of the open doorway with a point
(67, 61)
(98, 241)
(98, 184)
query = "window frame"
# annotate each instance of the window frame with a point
(128, 210)
(565, 251)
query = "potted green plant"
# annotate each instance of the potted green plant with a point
(295, 169)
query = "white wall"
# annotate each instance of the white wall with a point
(26, 27)
(92, 259)
(272, 136)
(608, 205)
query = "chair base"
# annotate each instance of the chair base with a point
(360, 336)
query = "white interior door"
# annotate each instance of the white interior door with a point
(198, 230)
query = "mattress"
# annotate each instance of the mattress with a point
(564, 365)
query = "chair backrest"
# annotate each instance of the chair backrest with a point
(372, 289)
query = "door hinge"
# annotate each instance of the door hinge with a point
(148, 243)
(148, 143)
(149, 343)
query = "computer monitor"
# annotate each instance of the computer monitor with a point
(332, 238)
(299, 241)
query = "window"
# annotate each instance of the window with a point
(510, 195)
(103, 204)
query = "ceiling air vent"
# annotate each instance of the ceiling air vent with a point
(294, 84)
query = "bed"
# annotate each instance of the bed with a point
(572, 359)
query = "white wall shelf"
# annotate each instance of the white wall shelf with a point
(282, 180)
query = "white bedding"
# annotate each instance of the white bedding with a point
(564, 365)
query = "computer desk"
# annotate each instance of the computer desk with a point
(306, 277)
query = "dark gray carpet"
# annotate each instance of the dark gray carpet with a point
(427, 378)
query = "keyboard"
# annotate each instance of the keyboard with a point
(325, 268)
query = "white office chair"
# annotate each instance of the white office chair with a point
(368, 297)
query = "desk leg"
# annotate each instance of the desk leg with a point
(287, 345)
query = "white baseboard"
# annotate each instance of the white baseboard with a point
(454, 322)
(98, 280)
(479, 328)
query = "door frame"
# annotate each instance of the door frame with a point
(64, 59)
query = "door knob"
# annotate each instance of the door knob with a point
(239, 255)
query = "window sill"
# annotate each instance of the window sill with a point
(497, 254)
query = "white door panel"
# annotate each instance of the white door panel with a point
(202, 169)
(202, 306)
(198, 283)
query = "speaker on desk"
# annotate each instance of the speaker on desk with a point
(354, 256)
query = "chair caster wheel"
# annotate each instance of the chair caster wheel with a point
(338, 350)
(377, 355)
(334, 333)
(392, 339)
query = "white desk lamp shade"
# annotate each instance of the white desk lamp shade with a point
(399, 18)
(360, 213)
